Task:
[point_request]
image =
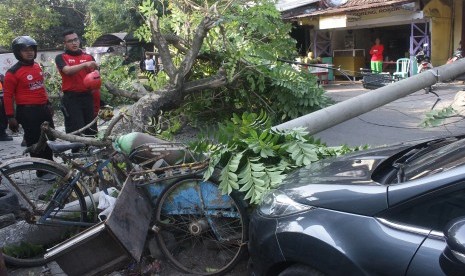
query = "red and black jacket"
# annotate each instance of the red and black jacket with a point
(73, 83)
(24, 84)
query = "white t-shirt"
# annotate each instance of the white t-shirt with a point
(149, 65)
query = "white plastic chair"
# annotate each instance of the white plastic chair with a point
(402, 68)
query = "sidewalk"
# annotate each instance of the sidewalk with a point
(11, 149)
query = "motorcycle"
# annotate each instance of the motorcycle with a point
(424, 64)
(458, 54)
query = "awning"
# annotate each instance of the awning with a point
(116, 39)
(350, 6)
(284, 5)
(99, 50)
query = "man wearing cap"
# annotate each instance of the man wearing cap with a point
(78, 100)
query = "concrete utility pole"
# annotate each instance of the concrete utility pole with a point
(348, 109)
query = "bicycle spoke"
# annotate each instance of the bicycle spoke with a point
(197, 238)
(30, 239)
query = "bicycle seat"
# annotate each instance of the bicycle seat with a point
(61, 146)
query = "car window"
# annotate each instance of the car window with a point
(438, 157)
(430, 212)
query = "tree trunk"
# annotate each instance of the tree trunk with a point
(150, 104)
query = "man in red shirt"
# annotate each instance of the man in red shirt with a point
(376, 53)
(24, 85)
(3, 118)
(78, 101)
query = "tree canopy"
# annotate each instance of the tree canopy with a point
(111, 16)
(25, 17)
(45, 20)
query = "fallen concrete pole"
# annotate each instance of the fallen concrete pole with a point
(330, 116)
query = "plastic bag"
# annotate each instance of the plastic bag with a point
(105, 203)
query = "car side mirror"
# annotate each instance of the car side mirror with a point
(452, 260)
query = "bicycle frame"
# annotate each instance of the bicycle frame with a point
(63, 192)
(65, 186)
(29, 210)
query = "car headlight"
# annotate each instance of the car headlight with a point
(276, 203)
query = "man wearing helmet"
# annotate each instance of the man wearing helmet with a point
(24, 85)
(78, 100)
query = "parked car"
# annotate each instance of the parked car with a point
(394, 210)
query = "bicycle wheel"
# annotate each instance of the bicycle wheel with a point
(199, 230)
(25, 241)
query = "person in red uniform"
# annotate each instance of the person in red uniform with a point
(376, 53)
(78, 101)
(3, 118)
(24, 85)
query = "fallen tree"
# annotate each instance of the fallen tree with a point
(228, 48)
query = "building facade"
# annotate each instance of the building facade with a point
(345, 30)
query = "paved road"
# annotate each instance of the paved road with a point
(395, 122)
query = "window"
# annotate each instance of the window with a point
(429, 212)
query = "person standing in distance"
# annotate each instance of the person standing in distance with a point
(24, 85)
(77, 101)
(149, 64)
(376, 53)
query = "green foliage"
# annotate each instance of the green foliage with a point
(123, 76)
(24, 250)
(111, 16)
(52, 79)
(255, 158)
(247, 41)
(158, 81)
(436, 118)
(165, 125)
(21, 17)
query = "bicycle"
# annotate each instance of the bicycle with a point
(51, 210)
(199, 230)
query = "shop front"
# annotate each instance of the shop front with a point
(346, 33)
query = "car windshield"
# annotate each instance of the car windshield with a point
(434, 161)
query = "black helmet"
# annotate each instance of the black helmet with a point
(22, 42)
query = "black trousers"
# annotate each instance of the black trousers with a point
(79, 111)
(3, 118)
(31, 117)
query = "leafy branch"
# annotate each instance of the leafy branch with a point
(436, 118)
(254, 158)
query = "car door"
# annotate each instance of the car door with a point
(428, 213)
(426, 259)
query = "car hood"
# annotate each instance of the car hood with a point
(343, 183)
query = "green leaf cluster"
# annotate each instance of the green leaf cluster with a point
(24, 17)
(247, 42)
(111, 16)
(113, 70)
(254, 157)
(434, 118)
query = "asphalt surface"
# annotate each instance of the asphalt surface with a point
(395, 122)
